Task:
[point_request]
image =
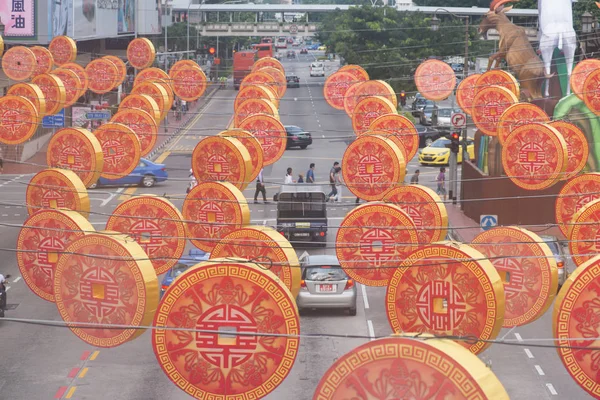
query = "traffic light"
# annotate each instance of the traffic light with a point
(454, 142)
(403, 98)
(211, 51)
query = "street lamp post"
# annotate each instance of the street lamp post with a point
(587, 22)
(435, 26)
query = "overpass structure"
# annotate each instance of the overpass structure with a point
(302, 26)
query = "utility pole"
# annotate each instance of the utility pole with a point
(454, 149)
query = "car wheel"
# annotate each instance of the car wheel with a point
(93, 185)
(148, 181)
(428, 141)
(304, 147)
(352, 311)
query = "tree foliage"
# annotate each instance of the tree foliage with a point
(390, 44)
(473, 3)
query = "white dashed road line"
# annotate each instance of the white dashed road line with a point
(371, 329)
(528, 352)
(519, 338)
(365, 298)
(17, 279)
(112, 196)
(539, 370)
(553, 391)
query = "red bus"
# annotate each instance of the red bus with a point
(263, 49)
(242, 65)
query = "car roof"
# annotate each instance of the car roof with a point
(302, 188)
(321, 259)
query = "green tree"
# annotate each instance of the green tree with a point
(390, 44)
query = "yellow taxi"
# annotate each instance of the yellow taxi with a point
(322, 48)
(438, 154)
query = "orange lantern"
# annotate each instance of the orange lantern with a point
(577, 147)
(517, 115)
(141, 53)
(157, 92)
(584, 233)
(465, 92)
(19, 63)
(189, 83)
(498, 77)
(142, 124)
(253, 107)
(368, 110)
(121, 69)
(270, 133)
(151, 74)
(402, 128)
(580, 73)
(435, 80)
(80, 71)
(57, 188)
(102, 74)
(143, 102)
(121, 148)
(577, 192)
(253, 146)
(376, 88)
(31, 92)
(63, 49)
(72, 85)
(54, 91)
(19, 119)
(268, 62)
(44, 60)
(336, 86)
(359, 72)
(489, 104)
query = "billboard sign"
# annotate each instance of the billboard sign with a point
(84, 18)
(60, 18)
(18, 16)
(126, 16)
(54, 121)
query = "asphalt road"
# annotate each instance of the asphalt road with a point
(40, 362)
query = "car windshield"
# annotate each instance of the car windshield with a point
(440, 143)
(178, 269)
(301, 205)
(325, 273)
(445, 112)
(293, 129)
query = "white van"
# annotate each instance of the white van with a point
(317, 69)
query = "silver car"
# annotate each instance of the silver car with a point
(325, 285)
(559, 256)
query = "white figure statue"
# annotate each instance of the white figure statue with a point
(556, 31)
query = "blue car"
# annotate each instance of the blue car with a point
(145, 174)
(314, 46)
(194, 257)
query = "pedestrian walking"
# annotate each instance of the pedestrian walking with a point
(289, 177)
(300, 178)
(441, 182)
(415, 178)
(338, 183)
(184, 107)
(260, 188)
(310, 174)
(332, 178)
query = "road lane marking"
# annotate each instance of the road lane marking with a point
(83, 373)
(85, 355)
(162, 157)
(59, 393)
(528, 352)
(17, 279)
(112, 196)
(73, 373)
(365, 298)
(551, 389)
(71, 392)
(539, 370)
(127, 194)
(94, 355)
(519, 338)
(371, 329)
(7, 288)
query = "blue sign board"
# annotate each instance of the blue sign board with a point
(98, 115)
(54, 121)
(488, 222)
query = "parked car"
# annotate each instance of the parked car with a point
(194, 257)
(322, 48)
(439, 152)
(297, 137)
(304, 50)
(146, 174)
(292, 81)
(324, 284)
(444, 120)
(291, 54)
(427, 135)
(559, 256)
(314, 46)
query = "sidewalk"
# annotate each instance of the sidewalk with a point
(39, 159)
(465, 229)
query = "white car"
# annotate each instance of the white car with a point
(317, 69)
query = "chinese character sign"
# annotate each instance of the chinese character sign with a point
(19, 17)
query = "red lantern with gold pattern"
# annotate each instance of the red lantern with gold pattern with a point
(63, 49)
(80, 71)
(211, 211)
(447, 288)
(435, 80)
(156, 224)
(350, 100)
(359, 72)
(270, 62)
(336, 86)
(255, 92)
(401, 127)
(372, 240)
(54, 91)
(266, 247)
(227, 295)
(102, 74)
(121, 148)
(368, 110)
(31, 92)
(189, 83)
(465, 92)
(278, 77)
(141, 53)
(142, 124)
(253, 146)
(517, 115)
(105, 278)
(577, 147)
(121, 69)
(18, 63)
(376, 88)
(19, 119)
(222, 159)
(489, 104)
(44, 60)
(372, 166)
(142, 102)
(43, 238)
(72, 85)
(57, 188)
(158, 94)
(252, 107)
(260, 78)
(534, 156)
(528, 270)
(582, 70)
(270, 133)
(150, 74)
(78, 150)
(422, 367)
(576, 193)
(574, 326)
(424, 207)
(498, 77)
(584, 243)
